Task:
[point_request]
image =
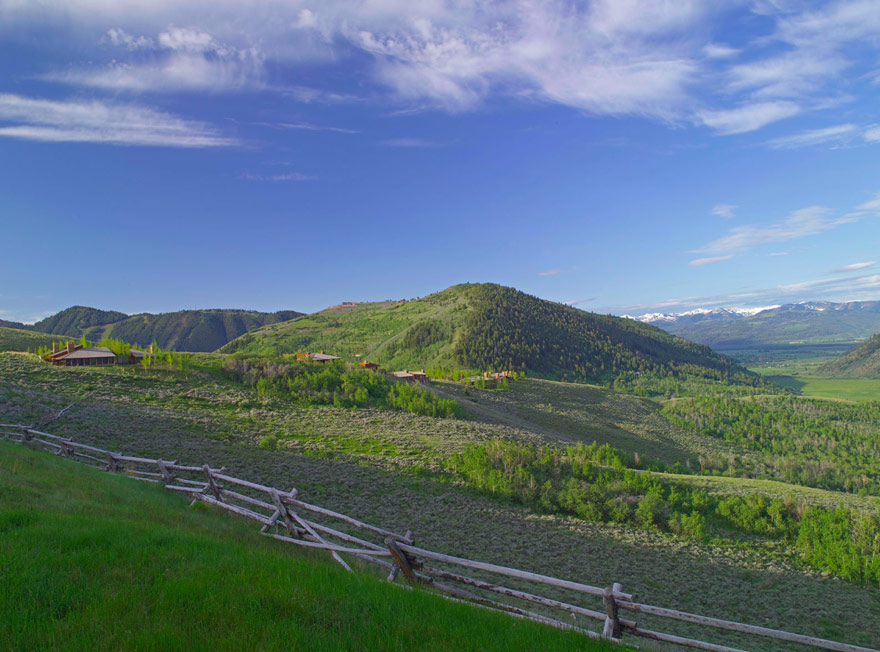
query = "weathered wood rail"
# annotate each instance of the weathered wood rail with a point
(281, 516)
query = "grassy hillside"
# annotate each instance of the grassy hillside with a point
(863, 361)
(16, 339)
(184, 330)
(354, 460)
(487, 326)
(100, 562)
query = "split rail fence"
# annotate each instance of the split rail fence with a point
(285, 517)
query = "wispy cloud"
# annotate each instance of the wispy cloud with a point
(179, 59)
(724, 210)
(812, 137)
(408, 142)
(872, 205)
(798, 224)
(287, 176)
(749, 117)
(577, 302)
(854, 267)
(607, 57)
(699, 262)
(101, 122)
(550, 272)
(852, 288)
(307, 126)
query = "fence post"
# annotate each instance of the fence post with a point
(612, 622)
(166, 474)
(211, 484)
(26, 433)
(395, 569)
(401, 560)
(112, 464)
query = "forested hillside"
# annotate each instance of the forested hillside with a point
(863, 361)
(188, 330)
(490, 327)
(185, 330)
(74, 321)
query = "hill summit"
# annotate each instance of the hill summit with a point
(488, 326)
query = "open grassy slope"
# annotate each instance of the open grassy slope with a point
(378, 465)
(487, 326)
(16, 339)
(863, 361)
(100, 562)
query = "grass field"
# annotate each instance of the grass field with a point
(798, 378)
(378, 466)
(99, 562)
(15, 339)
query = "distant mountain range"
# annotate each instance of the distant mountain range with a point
(185, 330)
(809, 322)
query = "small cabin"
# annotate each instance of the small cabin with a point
(403, 376)
(372, 366)
(420, 376)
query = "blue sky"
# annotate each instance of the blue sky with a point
(626, 156)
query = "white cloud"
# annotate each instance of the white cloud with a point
(699, 262)
(187, 40)
(724, 210)
(651, 58)
(550, 272)
(748, 117)
(872, 205)
(307, 126)
(719, 51)
(798, 224)
(852, 288)
(287, 176)
(101, 122)
(872, 134)
(836, 134)
(854, 267)
(122, 38)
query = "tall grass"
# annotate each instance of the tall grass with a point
(90, 561)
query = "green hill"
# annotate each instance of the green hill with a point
(487, 326)
(188, 330)
(100, 562)
(74, 321)
(863, 361)
(184, 330)
(17, 339)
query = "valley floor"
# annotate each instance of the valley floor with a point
(379, 466)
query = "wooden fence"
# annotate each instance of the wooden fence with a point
(282, 515)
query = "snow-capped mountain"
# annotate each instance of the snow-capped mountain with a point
(744, 328)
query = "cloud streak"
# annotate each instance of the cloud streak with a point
(101, 122)
(854, 267)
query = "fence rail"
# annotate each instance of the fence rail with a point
(280, 514)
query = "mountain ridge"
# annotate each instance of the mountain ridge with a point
(182, 330)
(807, 322)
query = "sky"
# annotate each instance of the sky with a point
(623, 156)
